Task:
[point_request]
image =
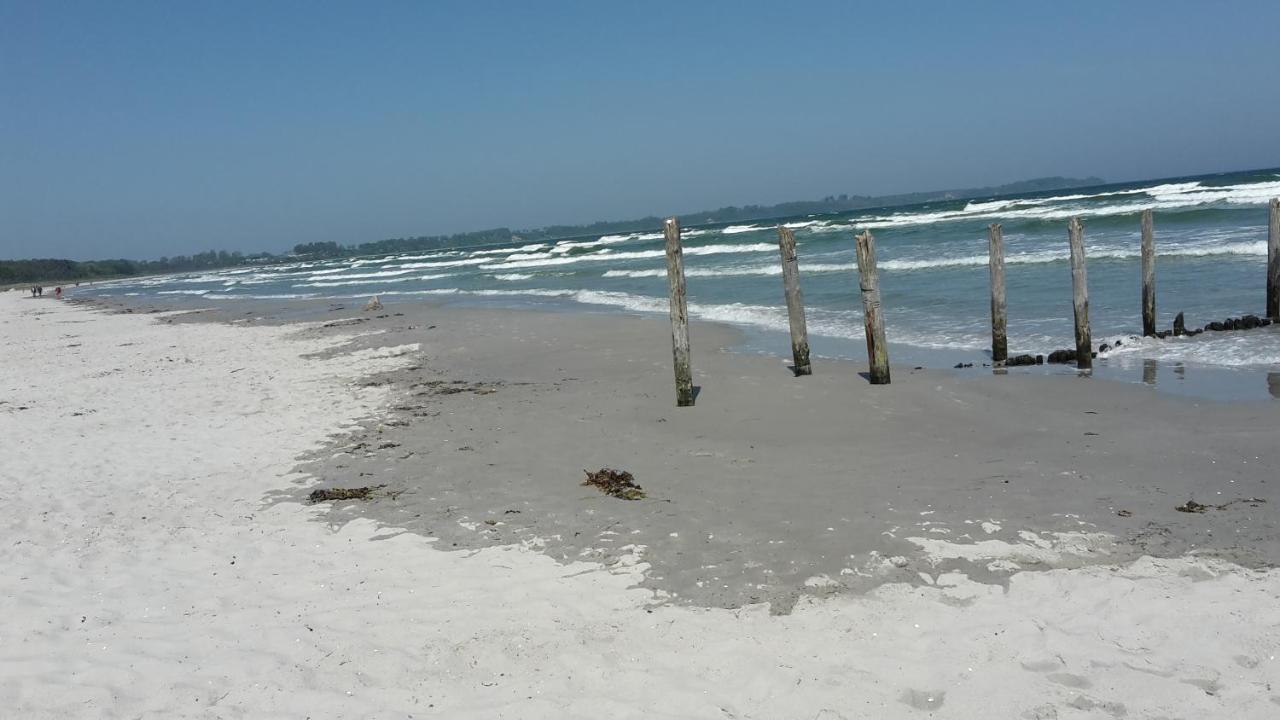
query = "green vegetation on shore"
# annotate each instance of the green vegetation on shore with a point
(51, 269)
(46, 270)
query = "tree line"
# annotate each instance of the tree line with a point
(61, 270)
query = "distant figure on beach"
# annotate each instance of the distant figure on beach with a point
(39, 292)
(57, 292)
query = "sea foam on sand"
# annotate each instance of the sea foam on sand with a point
(147, 573)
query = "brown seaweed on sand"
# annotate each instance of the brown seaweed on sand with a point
(326, 494)
(615, 483)
(1194, 507)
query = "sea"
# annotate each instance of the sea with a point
(1211, 255)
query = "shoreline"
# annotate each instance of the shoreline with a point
(1189, 379)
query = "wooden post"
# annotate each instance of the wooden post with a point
(1148, 276)
(679, 314)
(1273, 262)
(877, 350)
(1080, 295)
(795, 302)
(999, 318)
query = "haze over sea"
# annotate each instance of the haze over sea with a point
(1211, 258)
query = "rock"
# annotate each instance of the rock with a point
(373, 305)
(1215, 326)
(963, 365)
(1021, 360)
(1104, 347)
(1179, 326)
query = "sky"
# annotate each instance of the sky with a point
(143, 129)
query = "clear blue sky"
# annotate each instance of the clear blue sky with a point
(142, 129)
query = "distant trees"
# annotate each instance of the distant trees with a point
(54, 270)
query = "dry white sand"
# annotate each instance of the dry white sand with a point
(143, 575)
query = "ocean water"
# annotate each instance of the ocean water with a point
(1211, 264)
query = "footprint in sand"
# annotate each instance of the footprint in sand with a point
(1070, 680)
(923, 699)
(1085, 703)
(1041, 666)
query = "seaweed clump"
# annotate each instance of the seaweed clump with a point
(324, 495)
(615, 483)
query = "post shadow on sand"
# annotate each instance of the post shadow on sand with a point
(791, 368)
(1273, 384)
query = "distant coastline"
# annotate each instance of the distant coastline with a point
(37, 270)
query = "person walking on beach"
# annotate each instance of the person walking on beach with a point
(57, 292)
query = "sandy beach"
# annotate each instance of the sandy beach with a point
(946, 546)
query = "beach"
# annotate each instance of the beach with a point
(952, 545)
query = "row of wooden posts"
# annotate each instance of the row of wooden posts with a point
(869, 283)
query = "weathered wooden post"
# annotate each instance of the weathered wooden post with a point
(1080, 295)
(679, 314)
(999, 319)
(877, 350)
(1273, 262)
(1148, 276)
(795, 302)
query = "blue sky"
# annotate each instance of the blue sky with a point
(144, 129)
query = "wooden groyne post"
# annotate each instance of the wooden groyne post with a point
(999, 317)
(1080, 295)
(877, 350)
(1273, 262)
(679, 314)
(795, 302)
(1148, 275)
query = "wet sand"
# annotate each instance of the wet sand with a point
(771, 480)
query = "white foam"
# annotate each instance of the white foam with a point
(284, 296)
(735, 229)
(761, 271)
(444, 263)
(543, 260)
(565, 246)
(513, 276)
(361, 276)
(1229, 349)
(1167, 196)
(374, 280)
(1258, 247)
